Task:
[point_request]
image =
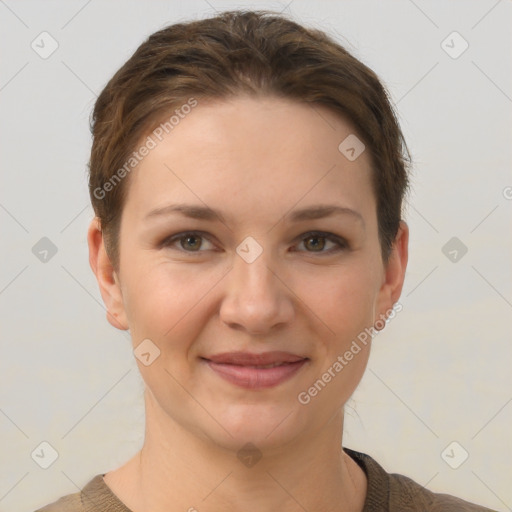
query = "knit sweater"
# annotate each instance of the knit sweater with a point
(385, 493)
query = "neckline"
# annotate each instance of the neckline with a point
(377, 489)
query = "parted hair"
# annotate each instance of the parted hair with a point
(259, 53)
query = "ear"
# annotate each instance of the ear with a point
(394, 275)
(107, 278)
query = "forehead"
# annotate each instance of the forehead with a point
(255, 155)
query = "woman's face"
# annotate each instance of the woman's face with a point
(255, 281)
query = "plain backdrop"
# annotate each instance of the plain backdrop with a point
(440, 371)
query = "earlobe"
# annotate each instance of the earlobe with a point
(108, 281)
(394, 275)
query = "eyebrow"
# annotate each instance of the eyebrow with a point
(205, 213)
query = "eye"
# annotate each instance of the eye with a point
(190, 241)
(316, 241)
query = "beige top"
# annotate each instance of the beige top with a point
(385, 493)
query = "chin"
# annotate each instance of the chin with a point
(262, 424)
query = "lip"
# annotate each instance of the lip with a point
(248, 358)
(241, 370)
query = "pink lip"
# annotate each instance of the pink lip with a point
(250, 377)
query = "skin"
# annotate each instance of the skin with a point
(257, 160)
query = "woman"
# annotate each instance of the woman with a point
(247, 176)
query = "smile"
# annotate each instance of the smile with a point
(256, 376)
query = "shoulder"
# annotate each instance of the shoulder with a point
(93, 494)
(392, 492)
(69, 503)
(406, 494)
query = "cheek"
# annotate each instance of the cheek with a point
(343, 299)
(162, 305)
(344, 302)
(163, 300)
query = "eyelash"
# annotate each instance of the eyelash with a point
(342, 243)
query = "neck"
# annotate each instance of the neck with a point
(178, 470)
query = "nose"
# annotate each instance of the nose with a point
(258, 299)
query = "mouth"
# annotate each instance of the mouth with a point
(255, 371)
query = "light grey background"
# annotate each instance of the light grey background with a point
(440, 372)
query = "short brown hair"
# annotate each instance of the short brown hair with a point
(237, 52)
